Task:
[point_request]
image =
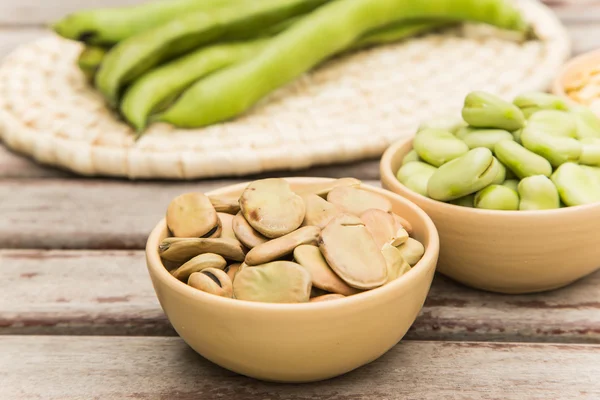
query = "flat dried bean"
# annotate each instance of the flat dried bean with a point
(281, 246)
(356, 201)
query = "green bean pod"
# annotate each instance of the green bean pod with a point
(323, 33)
(588, 124)
(590, 152)
(132, 57)
(167, 81)
(532, 102)
(486, 110)
(521, 161)
(575, 185)
(538, 193)
(89, 60)
(396, 32)
(437, 147)
(497, 197)
(415, 176)
(556, 149)
(109, 26)
(488, 138)
(464, 175)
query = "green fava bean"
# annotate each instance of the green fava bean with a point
(552, 122)
(531, 102)
(556, 149)
(511, 184)
(437, 146)
(485, 110)
(590, 152)
(464, 175)
(465, 201)
(594, 172)
(497, 197)
(575, 185)
(501, 175)
(538, 193)
(521, 161)
(484, 137)
(517, 135)
(448, 123)
(415, 176)
(587, 123)
(410, 157)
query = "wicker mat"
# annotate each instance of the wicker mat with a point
(348, 109)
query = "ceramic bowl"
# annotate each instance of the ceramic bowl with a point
(298, 342)
(505, 251)
(573, 70)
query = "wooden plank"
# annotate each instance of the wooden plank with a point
(156, 368)
(88, 214)
(121, 301)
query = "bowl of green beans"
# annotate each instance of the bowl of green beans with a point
(512, 186)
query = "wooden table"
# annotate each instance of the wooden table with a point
(79, 318)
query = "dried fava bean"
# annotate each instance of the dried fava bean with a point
(402, 223)
(275, 282)
(575, 185)
(323, 189)
(556, 149)
(318, 211)
(231, 270)
(326, 297)
(485, 110)
(399, 237)
(497, 197)
(183, 249)
(412, 251)
(316, 292)
(590, 152)
(396, 264)
(199, 263)
(538, 193)
(415, 176)
(283, 245)
(531, 102)
(356, 201)
(271, 207)
(224, 204)
(464, 175)
(587, 123)
(437, 146)
(410, 157)
(216, 231)
(381, 226)
(352, 253)
(322, 275)
(246, 233)
(226, 221)
(191, 215)
(213, 281)
(521, 161)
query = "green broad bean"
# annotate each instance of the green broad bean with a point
(511, 184)
(592, 171)
(521, 161)
(575, 185)
(517, 135)
(321, 34)
(165, 82)
(532, 102)
(538, 193)
(465, 201)
(497, 197)
(501, 175)
(556, 149)
(134, 56)
(588, 124)
(448, 123)
(109, 26)
(485, 137)
(410, 157)
(553, 122)
(485, 110)
(590, 151)
(464, 175)
(415, 176)
(437, 146)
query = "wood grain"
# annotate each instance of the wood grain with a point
(165, 368)
(110, 293)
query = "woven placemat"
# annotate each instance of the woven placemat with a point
(350, 108)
